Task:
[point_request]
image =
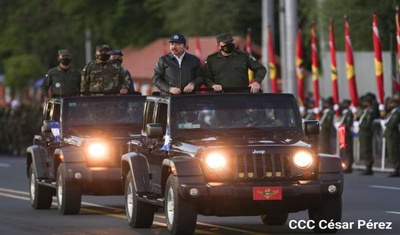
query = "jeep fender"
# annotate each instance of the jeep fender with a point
(37, 156)
(329, 163)
(70, 154)
(184, 166)
(139, 168)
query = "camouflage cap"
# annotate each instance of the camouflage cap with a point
(102, 47)
(225, 37)
(63, 52)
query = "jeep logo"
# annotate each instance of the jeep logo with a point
(258, 151)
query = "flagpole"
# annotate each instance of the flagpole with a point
(334, 76)
(351, 77)
(314, 69)
(271, 61)
(378, 62)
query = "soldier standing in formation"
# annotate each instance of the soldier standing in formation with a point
(327, 127)
(104, 75)
(346, 119)
(62, 80)
(392, 136)
(178, 71)
(228, 68)
(366, 134)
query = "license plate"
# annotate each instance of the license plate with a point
(267, 193)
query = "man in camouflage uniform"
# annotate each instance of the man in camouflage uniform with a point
(228, 68)
(392, 136)
(62, 80)
(366, 134)
(327, 132)
(104, 75)
(117, 55)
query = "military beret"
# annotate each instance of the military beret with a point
(116, 52)
(225, 37)
(102, 47)
(63, 52)
(179, 38)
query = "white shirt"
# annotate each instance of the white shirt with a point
(179, 59)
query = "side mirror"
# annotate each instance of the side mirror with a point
(311, 127)
(154, 130)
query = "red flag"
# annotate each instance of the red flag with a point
(299, 65)
(332, 49)
(248, 50)
(378, 61)
(314, 69)
(398, 38)
(351, 76)
(197, 50)
(271, 62)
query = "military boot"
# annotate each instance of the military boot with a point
(368, 171)
(395, 173)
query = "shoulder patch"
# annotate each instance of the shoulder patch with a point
(252, 58)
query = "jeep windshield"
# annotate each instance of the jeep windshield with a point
(243, 115)
(102, 114)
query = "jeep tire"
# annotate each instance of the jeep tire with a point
(180, 214)
(139, 214)
(40, 196)
(68, 193)
(328, 209)
(275, 218)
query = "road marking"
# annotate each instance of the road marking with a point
(4, 165)
(117, 210)
(393, 212)
(384, 187)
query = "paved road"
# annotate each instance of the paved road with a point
(366, 199)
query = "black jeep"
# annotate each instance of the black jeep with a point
(79, 149)
(228, 155)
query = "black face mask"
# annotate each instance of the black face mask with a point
(228, 48)
(65, 61)
(104, 56)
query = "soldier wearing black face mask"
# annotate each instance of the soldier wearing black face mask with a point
(117, 56)
(228, 68)
(104, 75)
(62, 80)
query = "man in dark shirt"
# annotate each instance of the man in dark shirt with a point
(62, 80)
(228, 68)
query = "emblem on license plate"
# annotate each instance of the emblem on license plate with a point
(267, 193)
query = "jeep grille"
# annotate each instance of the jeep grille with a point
(261, 166)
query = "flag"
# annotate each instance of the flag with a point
(271, 62)
(332, 49)
(299, 66)
(197, 50)
(314, 69)
(398, 39)
(248, 50)
(351, 76)
(378, 61)
(167, 141)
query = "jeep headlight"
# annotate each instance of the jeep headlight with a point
(215, 161)
(302, 159)
(97, 150)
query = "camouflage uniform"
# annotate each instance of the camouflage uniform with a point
(104, 76)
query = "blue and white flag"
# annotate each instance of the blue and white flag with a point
(55, 130)
(167, 141)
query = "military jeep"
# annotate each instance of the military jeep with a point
(79, 149)
(228, 154)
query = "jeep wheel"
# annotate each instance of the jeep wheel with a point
(40, 196)
(328, 209)
(139, 214)
(68, 194)
(276, 218)
(180, 214)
